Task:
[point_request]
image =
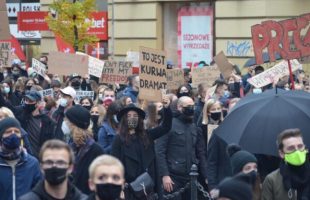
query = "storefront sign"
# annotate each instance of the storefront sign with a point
(32, 21)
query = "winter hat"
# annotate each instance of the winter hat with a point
(235, 188)
(79, 116)
(8, 122)
(239, 157)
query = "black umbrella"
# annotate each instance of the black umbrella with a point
(257, 119)
(266, 59)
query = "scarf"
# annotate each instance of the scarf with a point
(297, 178)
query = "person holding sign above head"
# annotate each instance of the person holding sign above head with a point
(134, 146)
(132, 90)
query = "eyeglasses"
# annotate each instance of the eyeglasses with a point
(57, 163)
(292, 148)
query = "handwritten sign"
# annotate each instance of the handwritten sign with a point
(38, 67)
(152, 74)
(175, 78)
(133, 56)
(5, 54)
(276, 38)
(4, 22)
(116, 72)
(95, 66)
(81, 94)
(278, 71)
(47, 93)
(205, 75)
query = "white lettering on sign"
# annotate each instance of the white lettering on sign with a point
(96, 23)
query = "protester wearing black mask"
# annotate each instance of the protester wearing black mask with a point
(106, 178)
(175, 154)
(56, 159)
(87, 103)
(75, 81)
(183, 91)
(15, 162)
(37, 124)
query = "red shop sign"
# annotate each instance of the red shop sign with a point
(99, 25)
(32, 21)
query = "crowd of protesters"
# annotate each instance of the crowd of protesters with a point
(58, 147)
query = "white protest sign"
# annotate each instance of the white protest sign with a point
(278, 71)
(47, 93)
(95, 66)
(81, 94)
(133, 56)
(38, 67)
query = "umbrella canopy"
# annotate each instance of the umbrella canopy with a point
(266, 59)
(257, 119)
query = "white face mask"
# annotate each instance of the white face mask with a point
(257, 91)
(63, 102)
(65, 128)
(100, 96)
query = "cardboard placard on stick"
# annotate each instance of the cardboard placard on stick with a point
(47, 93)
(116, 72)
(66, 64)
(38, 67)
(175, 78)
(224, 66)
(205, 75)
(5, 54)
(4, 22)
(81, 94)
(278, 71)
(152, 74)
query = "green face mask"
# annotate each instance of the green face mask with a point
(296, 158)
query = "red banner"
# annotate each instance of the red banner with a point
(16, 48)
(32, 21)
(63, 46)
(99, 25)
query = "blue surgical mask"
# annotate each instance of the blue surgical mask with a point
(226, 94)
(257, 91)
(6, 90)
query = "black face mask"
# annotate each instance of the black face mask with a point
(188, 111)
(55, 176)
(108, 191)
(29, 108)
(75, 84)
(94, 118)
(28, 87)
(216, 116)
(231, 87)
(87, 107)
(183, 94)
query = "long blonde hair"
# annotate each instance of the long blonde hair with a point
(78, 134)
(206, 110)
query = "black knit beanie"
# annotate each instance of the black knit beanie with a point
(235, 188)
(8, 122)
(79, 116)
(239, 158)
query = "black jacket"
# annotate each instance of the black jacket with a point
(47, 125)
(218, 161)
(39, 193)
(135, 164)
(80, 173)
(180, 148)
(58, 116)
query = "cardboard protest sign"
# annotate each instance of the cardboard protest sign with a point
(278, 71)
(66, 64)
(175, 78)
(4, 22)
(116, 72)
(206, 75)
(5, 54)
(224, 66)
(81, 94)
(47, 93)
(38, 67)
(152, 74)
(276, 38)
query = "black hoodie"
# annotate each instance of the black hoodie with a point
(39, 193)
